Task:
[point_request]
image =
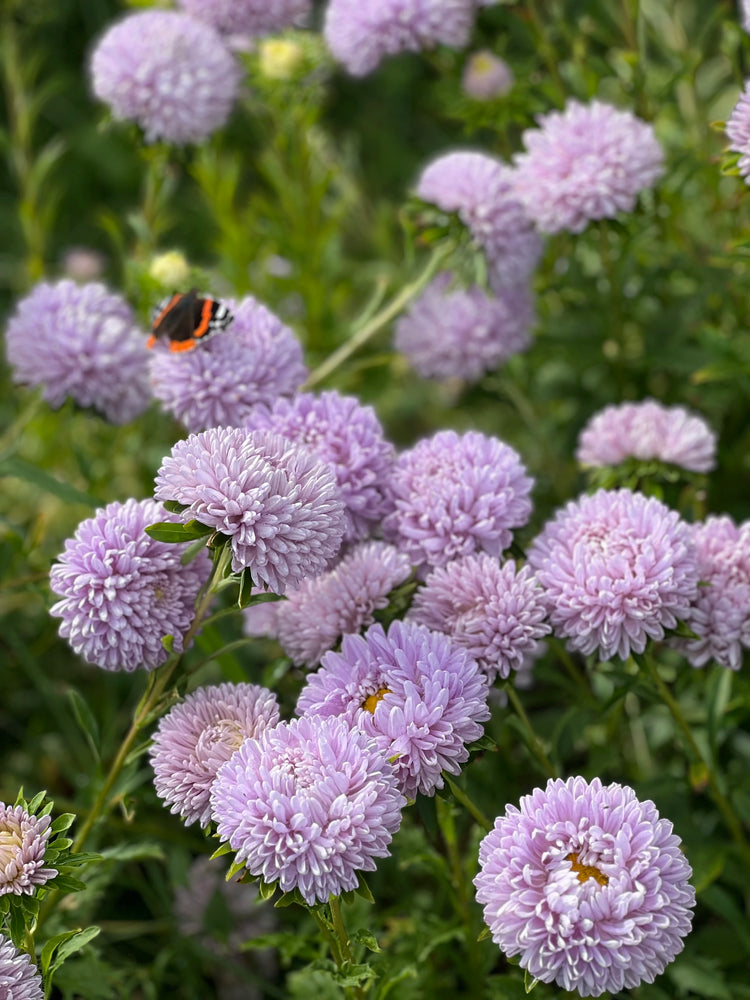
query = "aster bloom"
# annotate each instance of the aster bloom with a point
(23, 842)
(482, 191)
(486, 76)
(19, 979)
(587, 885)
(122, 591)
(308, 805)
(738, 131)
(419, 695)
(617, 568)
(80, 341)
(456, 494)
(344, 600)
(496, 613)
(169, 73)
(589, 161)
(251, 17)
(745, 14)
(255, 360)
(279, 505)
(361, 33)
(646, 431)
(200, 734)
(720, 615)
(463, 333)
(348, 437)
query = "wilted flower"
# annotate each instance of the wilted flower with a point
(80, 341)
(617, 568)
(348, 437)
(720, 615)
(589, 161)
(495, 612)
(344, 600)
(420, 696)
(308, 805)
(486, 76)
(23, 842)
(456, 494)
(645, 431)
(169, 73)
(463, 333)
(19, 979)
(481, 190)
(255, 360)
(587, 885)
(252, 17)
(360, 33)
(198, 735)
(738, 131)
(279, 505)
(123, 591)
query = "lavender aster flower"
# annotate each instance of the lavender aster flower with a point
(738, 131)
(347, 436)
(617, 568)
(169, 73)
(360, 33)
(495, 612)
(745, 14)
(341, 601)
(308, 805)
(420, 696)
(463, 333)
(645, 431)
(121, 591)
(587, 885)
(481, 190)
(251, 17)
(456, 494)
(589, 161)
(19, 979)
(23, 841)
(277, 503)
(255, 360)
(80, 341)
(720, 615)
(199, 735)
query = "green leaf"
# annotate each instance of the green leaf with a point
(62, 823)
(35, 802)
(134, 852)
(266, 891)
(28, 473)
(193, 551)
(174, 507)
(245, 595)
(363, 889)
(64, 945)
(86, 721)
(367, 939)
(175, 532)
(529, 983)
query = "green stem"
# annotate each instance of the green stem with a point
(360, 337)
(344, 948)
(574, 673)
(331, 941)
(460, 796)
(534, 742)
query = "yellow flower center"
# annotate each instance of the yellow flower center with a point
(371, 702)
(585, 872)
(11, 842)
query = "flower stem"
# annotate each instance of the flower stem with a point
(360, 337)
(534, 742)
(460, 796)
(344, 948)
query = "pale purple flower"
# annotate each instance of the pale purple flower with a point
(255, 360)
(278, 504)
(347, 436)
(82, 342)
(361, 33)
(200, 734)
(720, 615)
(738, 131)
(745, 14)
(251, 17)
(308, 805)
(587, 886)
(486, 76)
(19, 979)
(646, 431)
(23, 842)
(456, 494)
(589, 161)
(420, 696)
(122, 591)
(344, 600)
(617, 568)
(169, 73)
(495, 612)
(481, 190)
(462, 333)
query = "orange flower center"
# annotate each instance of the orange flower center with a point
(371, 701)
(585, 872)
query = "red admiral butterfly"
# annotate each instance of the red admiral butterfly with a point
(186, 318)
